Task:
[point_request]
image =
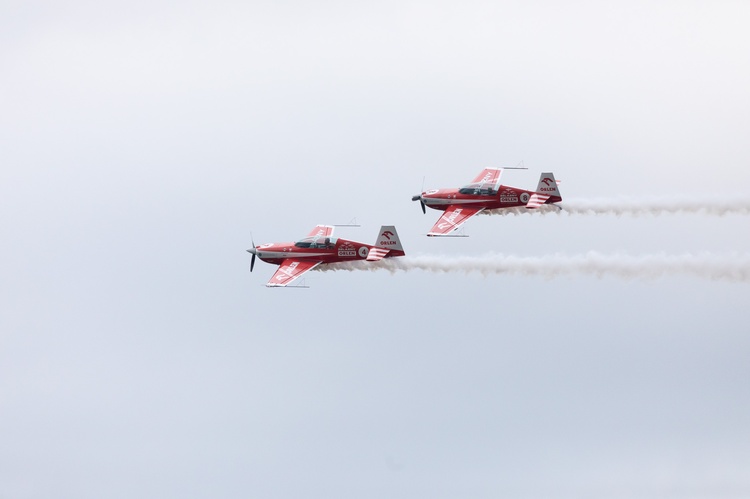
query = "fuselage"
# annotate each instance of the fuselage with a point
(328, 250)
(488, 199)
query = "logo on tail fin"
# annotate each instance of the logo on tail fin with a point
(387, 234)
(550, 183)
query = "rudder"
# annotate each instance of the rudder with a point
(388, 238)
(548, 185)
(387, 244)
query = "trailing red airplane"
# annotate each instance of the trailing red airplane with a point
(484, 193)
(320, 248)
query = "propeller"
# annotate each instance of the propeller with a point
(419, 198)
(253, 252)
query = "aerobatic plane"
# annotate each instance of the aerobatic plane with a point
(484, 193)
(320, 248)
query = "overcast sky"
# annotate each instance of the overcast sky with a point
(141, 142)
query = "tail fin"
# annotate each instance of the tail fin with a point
(388, 243)
(545, 189)
(547, 185)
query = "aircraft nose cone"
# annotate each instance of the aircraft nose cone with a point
(252, 251)
(416, 198)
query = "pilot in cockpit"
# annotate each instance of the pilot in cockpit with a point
(478, 189)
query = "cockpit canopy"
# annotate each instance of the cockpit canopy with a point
(316, 242)
(478, 189)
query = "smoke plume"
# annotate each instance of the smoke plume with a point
(637, 207)
(705, 266)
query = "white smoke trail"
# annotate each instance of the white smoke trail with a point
(637, 207)
(735, 268)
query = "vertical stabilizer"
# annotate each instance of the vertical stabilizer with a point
(387, 244)
(547, 185)
(545, 189)
(388, 238)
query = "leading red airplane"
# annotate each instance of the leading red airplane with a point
(484, 193)
(320, 248)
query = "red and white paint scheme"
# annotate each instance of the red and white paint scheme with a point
(484, 193)
(320, 248)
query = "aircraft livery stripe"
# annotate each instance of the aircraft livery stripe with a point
(290, 254)
(377, 254)
(537, 200)
(429, 201)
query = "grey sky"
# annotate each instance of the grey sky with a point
(142, 142)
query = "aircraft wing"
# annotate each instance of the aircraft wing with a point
(453, 218)
(489, 177)
(321, 231)
(289, 270)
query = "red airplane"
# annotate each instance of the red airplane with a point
(320, 248)
(484, 193)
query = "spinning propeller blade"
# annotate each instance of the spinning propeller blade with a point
(252, 251)
(419, 198)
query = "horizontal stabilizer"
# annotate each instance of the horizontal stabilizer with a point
(536, 200)
(376, 254)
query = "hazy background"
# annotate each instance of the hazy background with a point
(142, 142)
